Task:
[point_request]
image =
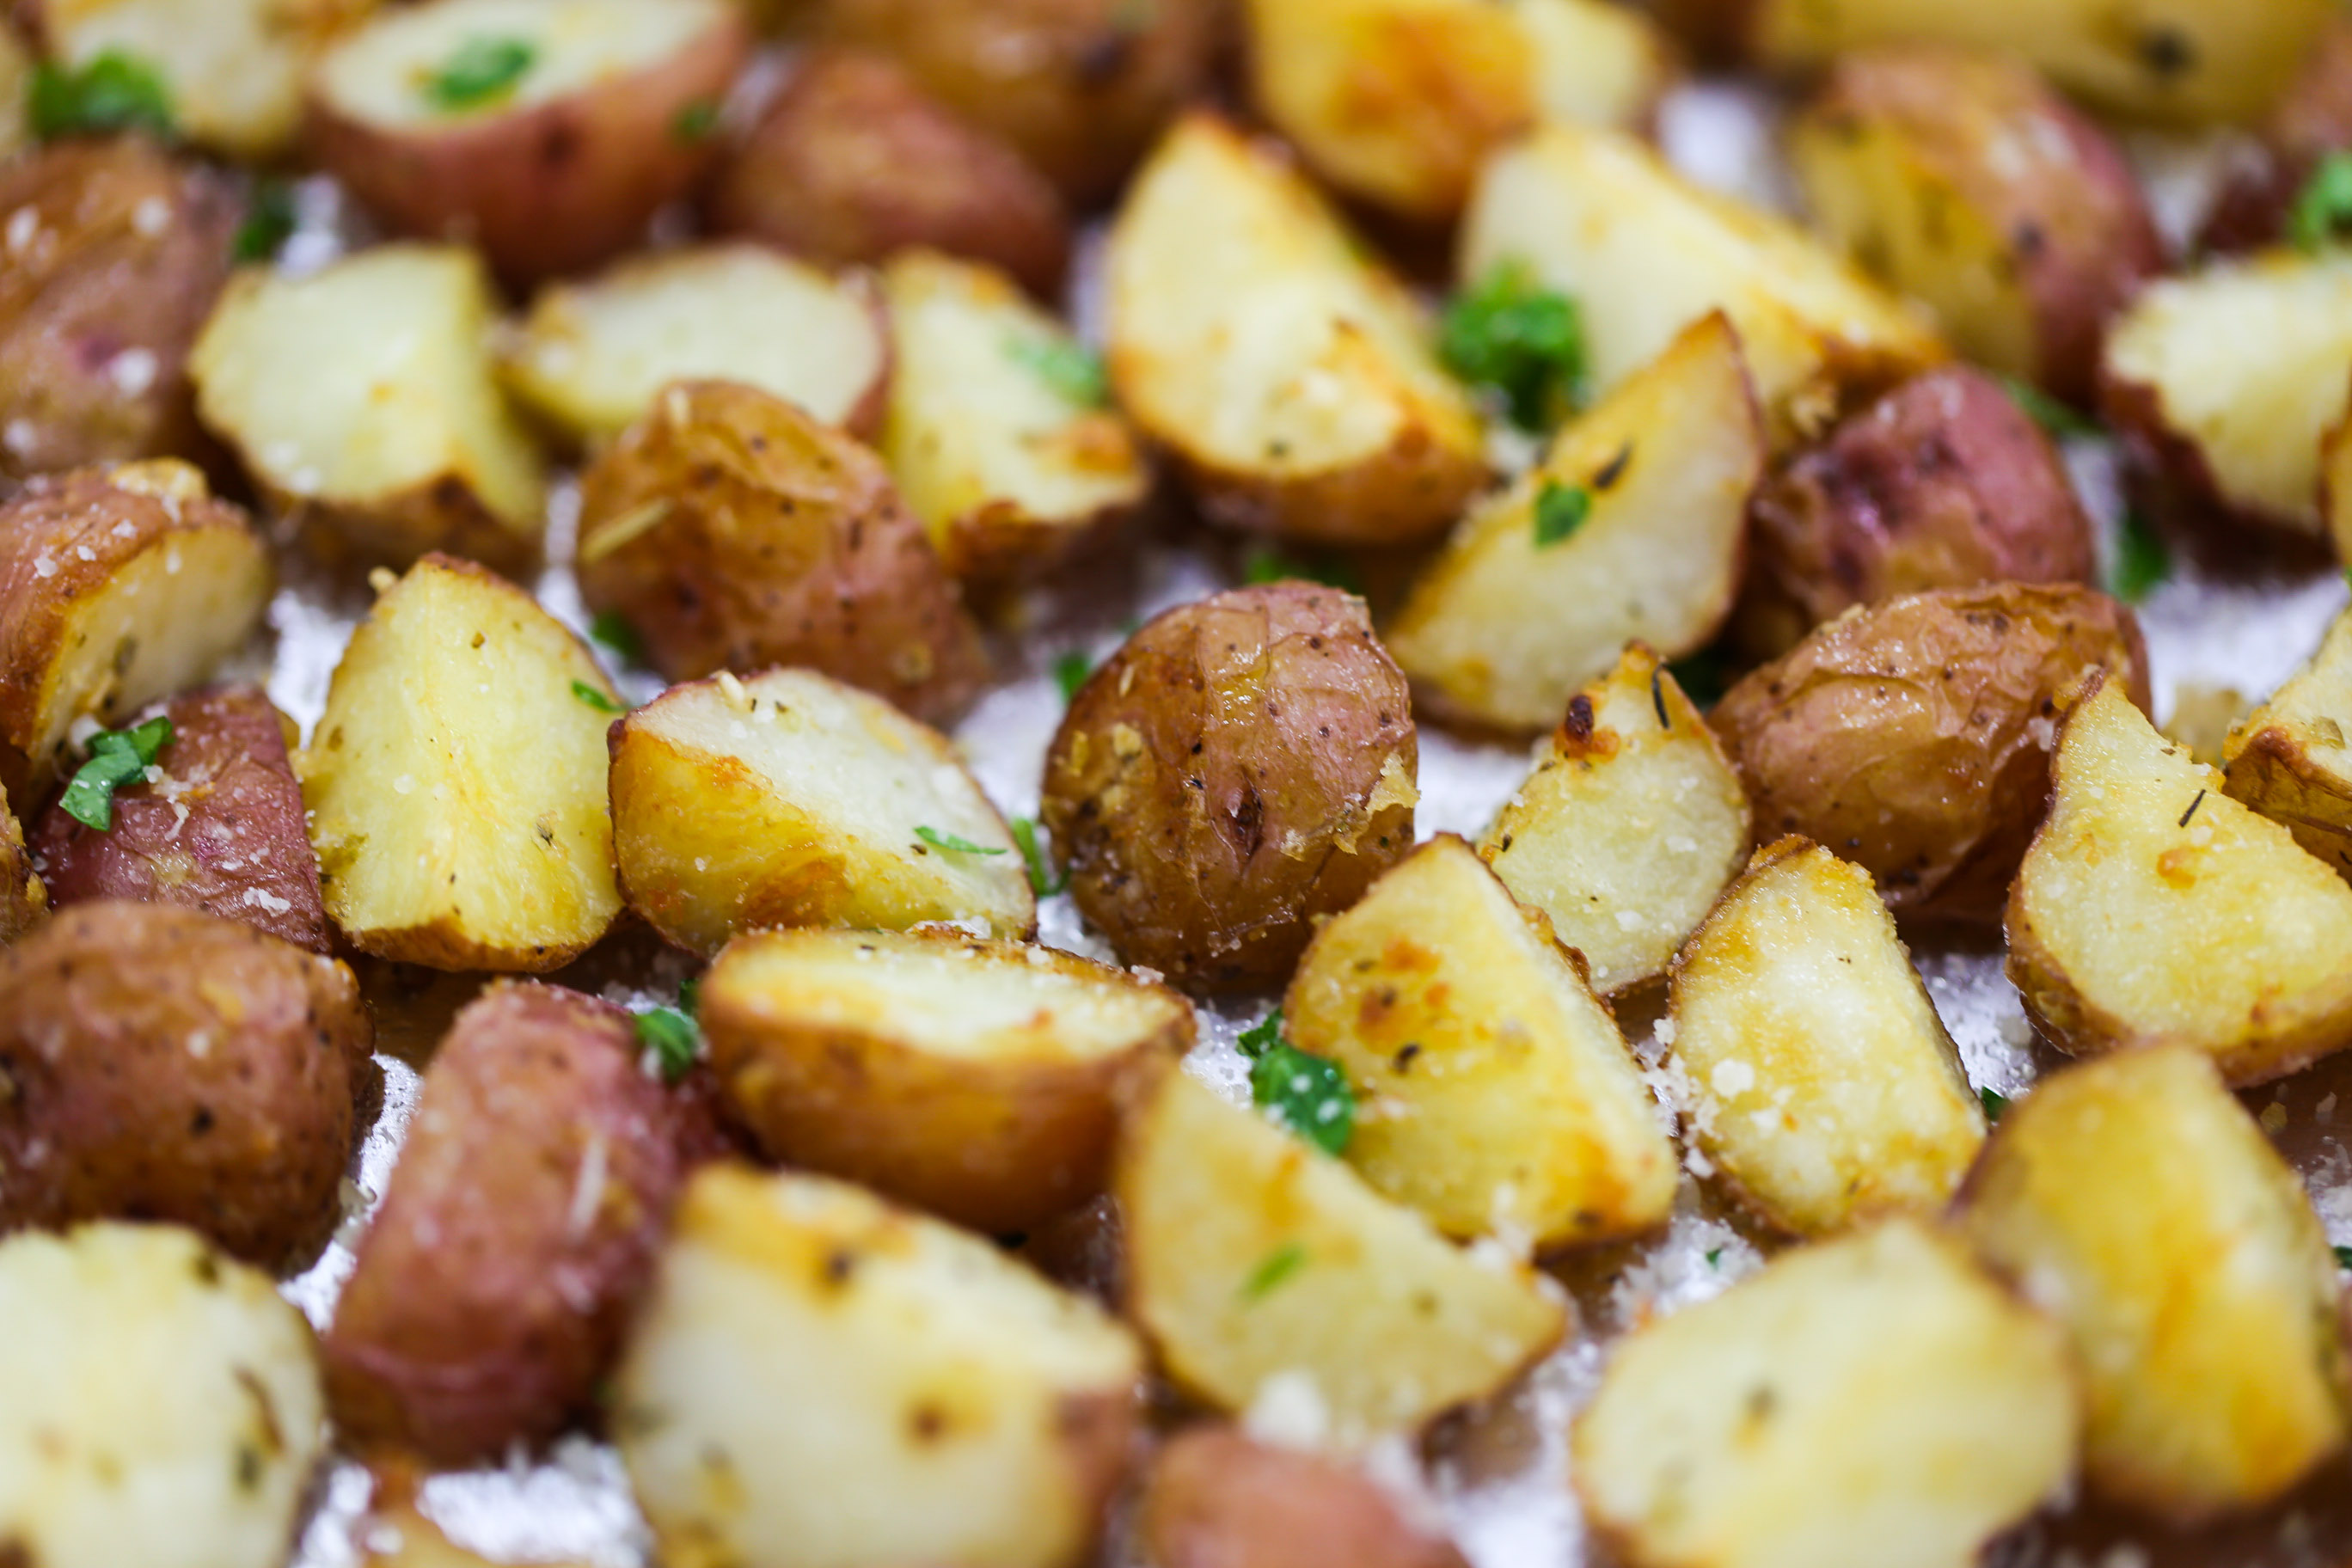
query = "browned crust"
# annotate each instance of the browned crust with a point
(2274, 775)
(24, 901)
(443, 515)
(2134, 411)
(1409, 492)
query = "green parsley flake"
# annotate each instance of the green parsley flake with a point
(1261, 1037)
(483, 71)
(2322, 212)
(950, 843)
(597, 700)
(1704, 675)
(1277, 1266)
(2142, 563)
(1304, 1093)
(696, 121)
(689, 996)
(1073, 371)
(672, 1038)
(112, 90)
(1715, 1257)
(612, 629)
(1042, 880)
(1267, 564)
(2058, 421)
(1995, 1102)
(268, 222)
(1523, 340)
(1070, 672)
(2344, 1257)
(117, 757)
(1561, 510)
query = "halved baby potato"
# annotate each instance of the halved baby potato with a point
(1633, 527)
(1295, 380)
(1822, 1085)
(970, 1078)
(1496, 1093)
(545, 132)
(1629, 828)
(2288, 760)
(360, 398)
(591, 356)
(2152, 908)
(455, 781)
(788, 799)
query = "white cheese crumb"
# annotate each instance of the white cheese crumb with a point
(261, 899)
(1732, 1079)
(23, 224)
(151, 216)
(1289, 1412)
(132, 370)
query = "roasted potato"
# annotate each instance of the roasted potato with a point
(361, 400)
(854, 162)
(545, 133)
(24, 901)
(1913, 737)
(1263, 1271)
(2137, 1203)
(222, 830)
(516, 1236)
(117, 586)
(2287, 759)
(114, 253)
(1216, 1498)
(998, 435)
(1597, 62)
(455, 781)
(1873, 1401)
(1944, 482)
(2225, 381)
(1295, 381)
(787, 799)
(822, 1381)
(161, 1063)
(1080, 87)
(973, 1079)
(1821, 1085)
(1633, 527)
(2311, 120)
(732, 530)
(162, 1404)
(590, 358)
(1241, 767)
(1497, 1096)
(1646, 254)
(17, 67)
(1629, 828)
(1965, 181)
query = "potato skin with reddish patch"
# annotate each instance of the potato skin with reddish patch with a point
(1241, 765)
(2312, 120)
(1219, 1499)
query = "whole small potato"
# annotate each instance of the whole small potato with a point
(2312, 120)
(162, 1063)
(1219, 1499)
(1241, 767)
(1944, 482)
(854, 162)
(517, 1232)
(1914, 737)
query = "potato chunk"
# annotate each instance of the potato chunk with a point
(590, 357)
(2153, 907)
(1632, 528)
(1822, 1085)
(360, 398)
(1219, 1499)
(1604, 220)
(1262, 1268)
(455, 781)
(997, 434)
(2135, 1201)
(822, 1381)
(1629, 828)
(788, 799)
(1874, 1402)
(1499, 1096)
(1597, 62)
(1294, 380)
(2287, 759)
(162, 1404)
(973, 1079)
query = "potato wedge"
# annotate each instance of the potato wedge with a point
(1497, 1097)
(2287, 759)
(2240, 430)
(1629, 828)
(360, 399)
(1822, 1085)
(2311, 120)
(545, 133)
(455, 781)
(1633, 527)
(1873, 1401)
(787, 799)
(997, 434)
(1293, 381)
(2136, 1202)
(24, 900)
(163, 1403)
(2152, 908)
(1601, 218)
(733, 531)
(1262, 1268)
(973, 1079)
(117, 586)
(590, 357)
(822, 1381)
(1216, 1498)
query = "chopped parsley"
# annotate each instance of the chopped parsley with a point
(1072, 370)
(696, 121)
(673, 1039)
(483, 70)
(1304, 1093)
(612, 629)
(1268, 564)
(2057, 420)
(1525, 341)
(1070, 672)
(1042, 880)
(1277, 1266)
(1715, 1257)
(2344, 1257)
(1995, 1102)
(117, 757)
(1561, 510)
(950, 843)
(2142, 563)
(268, 221)
(2323, 212)
(112, 90)
(597, 700)
(689, 996)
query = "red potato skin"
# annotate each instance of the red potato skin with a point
(223, 833)
(2312, 121)
(1217, 1499)
(485, 1302)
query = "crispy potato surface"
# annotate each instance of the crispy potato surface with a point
(1216, 1498)
(24, 901)
(2287, 759)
